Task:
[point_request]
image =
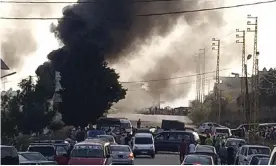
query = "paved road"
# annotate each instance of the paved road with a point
(160, 159)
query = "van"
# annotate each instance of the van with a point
(143, 144)
(126, 124)
(9, 155)
(91, 152)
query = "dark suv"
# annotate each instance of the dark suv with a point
(9, 155)
(170, 140)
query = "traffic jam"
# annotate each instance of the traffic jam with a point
(115, 141)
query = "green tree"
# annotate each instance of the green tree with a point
(35, 115)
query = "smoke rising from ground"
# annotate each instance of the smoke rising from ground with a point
(120, 34)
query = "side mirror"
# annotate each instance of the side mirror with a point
(108, 156)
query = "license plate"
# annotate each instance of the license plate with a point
(120, 156)
(144, 152)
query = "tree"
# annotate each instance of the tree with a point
(90, 87)
(10, 110)
(34, 116)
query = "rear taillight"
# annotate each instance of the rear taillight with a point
(131, 155)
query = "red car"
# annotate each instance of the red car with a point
(91, 152)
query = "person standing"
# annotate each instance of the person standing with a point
(192, 147)
(223, 154)
(209, 140)
(139, 124)
(183, 150)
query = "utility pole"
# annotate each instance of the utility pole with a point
(216, 46)
(203, 77)
(243, 64)
(255, 69)
(198, 78)
(219, 108)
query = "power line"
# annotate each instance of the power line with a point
(170, 78)
(149, 14)
(90, 2)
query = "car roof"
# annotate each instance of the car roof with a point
(238, 139)
(125, 121)
(41, 145)
(6, 146)
(143, 135)
(256, 146)
(178, 131)
(93, 141)
(105, 135)
(200, 155)
(222, 128)
(262, 155)
(209, 146)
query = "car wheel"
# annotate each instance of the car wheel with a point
(152, 156)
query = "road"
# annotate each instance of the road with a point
(160, 159)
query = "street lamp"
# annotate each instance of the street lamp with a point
(8, 75)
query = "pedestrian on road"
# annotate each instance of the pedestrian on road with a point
(183, 150)
(192, 147)
(209, 140)
(223, 154)
(139, 124)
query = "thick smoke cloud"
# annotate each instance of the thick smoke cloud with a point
(17, 36)
(114, 26)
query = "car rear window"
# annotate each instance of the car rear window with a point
(198, 160)
(44, 150)
(108, 137)
(140, 140)
(205, 149)
(120, 149)
(264, 161)
(222, 131)
(258, 150)
(33, 156)
(87, 151)
(125, 125)
(8, 151)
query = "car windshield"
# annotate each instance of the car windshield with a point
(33, 156)
(87, 151)
(258, 150)
(208, 149)
(198, 160)
(44, 150)
(125, 125)
(140, 140)
(120, 149)
(108, 137)
(263, 161)
(234, 143)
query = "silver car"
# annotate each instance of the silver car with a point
(121, 155)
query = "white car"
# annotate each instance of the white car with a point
(247, 151)
(207, 126)
(272, 159)
(223, 131)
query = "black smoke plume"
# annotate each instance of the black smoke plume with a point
(118, 31)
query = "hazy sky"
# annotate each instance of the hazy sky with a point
(234, 18)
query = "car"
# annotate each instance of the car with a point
(207, 150)
(121, 155)
(91, 152)
(207, 126)
(143, 144)
(34, 158)
(126, 125)
(109, 138)
(263, 161)
(54, 152)
(223, 131)
(9, 155)
(247, 151)
(143, 130)
(169, 141)
(194, 159)
(255, 158)
(272, 159)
